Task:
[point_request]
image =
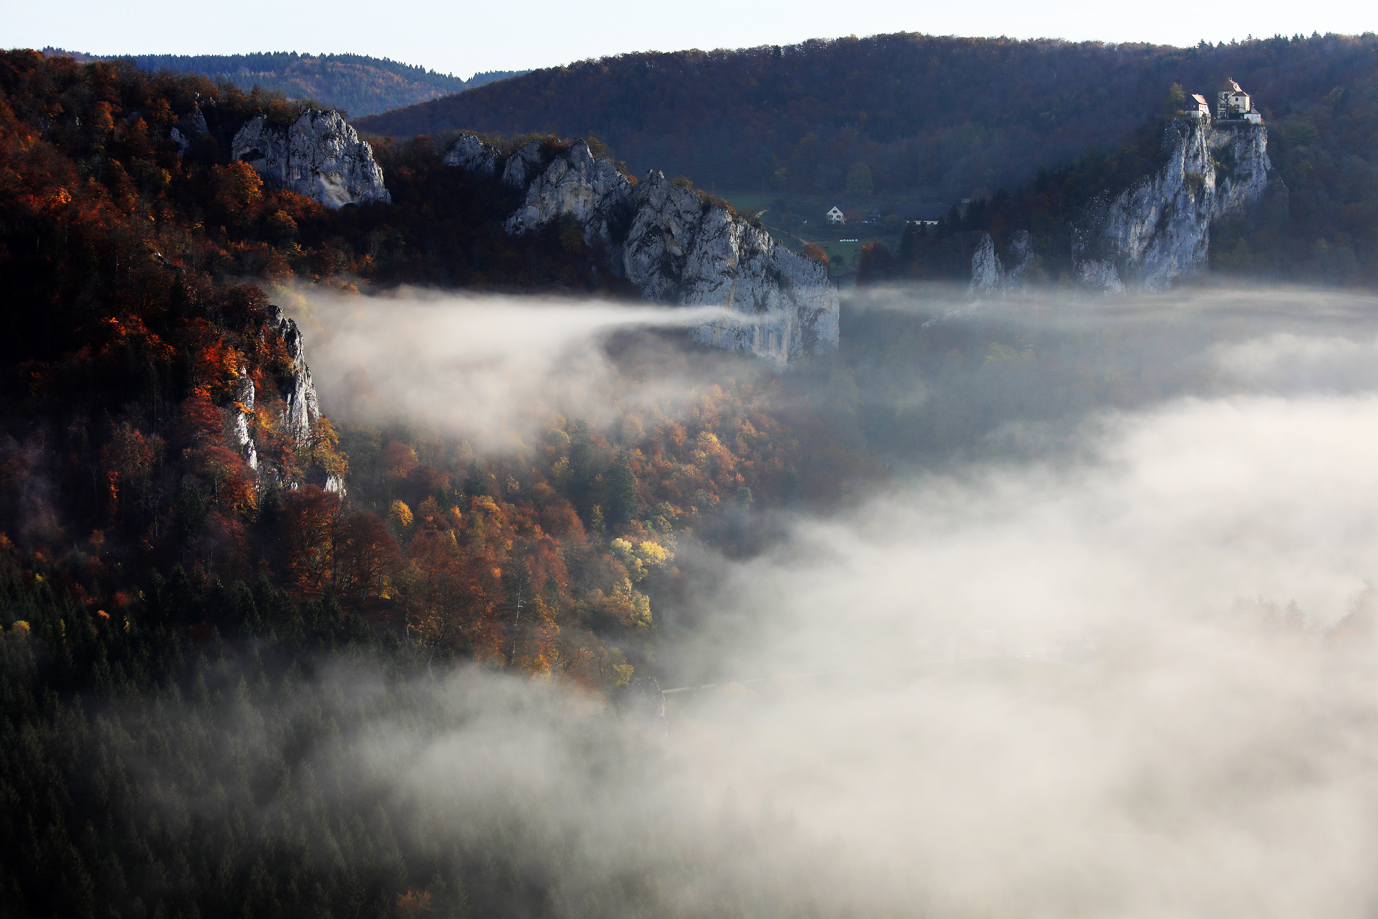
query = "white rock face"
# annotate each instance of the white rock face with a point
(300, 413)
(677, 248)
(576, 184)
(1159, 230)
(474, 155)
(522, 166)
(683, 250)
(1099, 274)
(243, 411)
(318, 155)
(987, 272)
(302, 407)
(990, 278)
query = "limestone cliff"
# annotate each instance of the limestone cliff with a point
(299, 392)
(474, 155)
(576, 184)
(1158, 229)
(683, 250)
(675, 246)
(301, 407)
(989, 275)
(317, 155)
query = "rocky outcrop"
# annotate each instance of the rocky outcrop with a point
(317, 155)
(299, 392)
(987, 271)
(301, 410)
(243, 411)
(1099, 274)
(575, 184)
(680, 248)
(1157, 230)
(474, 155)
(989, 276)
(188, 129)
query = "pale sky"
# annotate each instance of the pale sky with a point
(465, 37)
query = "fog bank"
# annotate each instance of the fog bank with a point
(1100, 675)
(487, 368)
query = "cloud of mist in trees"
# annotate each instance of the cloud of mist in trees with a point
(492, 368)
(1210, 755)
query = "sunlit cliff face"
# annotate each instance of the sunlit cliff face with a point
(1097, 675)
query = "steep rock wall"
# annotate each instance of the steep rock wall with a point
(1159, 229)
(675, 246)
(682, 250)
(318, 155)
(576, 184)
(990, 277)
(301, 407)
(474, 155)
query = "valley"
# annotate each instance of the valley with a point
(461, 511)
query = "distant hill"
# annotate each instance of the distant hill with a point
(942, 117)
(358, 84)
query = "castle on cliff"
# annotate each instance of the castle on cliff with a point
(1232, 105)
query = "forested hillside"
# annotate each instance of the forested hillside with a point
(131, 336)
(356, 83)
(231, 687)
(937, 116)
(150, 561)
(1322, 227)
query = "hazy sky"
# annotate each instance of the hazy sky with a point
(462, 38)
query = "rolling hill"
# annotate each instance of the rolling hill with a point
(359, 84)
(939, 117)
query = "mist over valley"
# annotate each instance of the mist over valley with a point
(459, 525)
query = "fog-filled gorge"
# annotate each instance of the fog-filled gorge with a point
(488, 369)
(1082, 663)
(380, 535)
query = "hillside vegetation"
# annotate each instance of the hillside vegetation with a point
(942, 116)
(356, 83)
(148, 569)
(226, 691)
(1322, 228)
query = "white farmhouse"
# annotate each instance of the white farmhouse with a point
(836, 216)
(1198, 107)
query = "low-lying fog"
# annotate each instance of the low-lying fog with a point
(489, 369)
(1079, 660)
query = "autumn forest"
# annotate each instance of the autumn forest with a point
(274, 644)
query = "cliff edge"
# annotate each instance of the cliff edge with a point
(1158, 229)
(674, 244)
(318, 155)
